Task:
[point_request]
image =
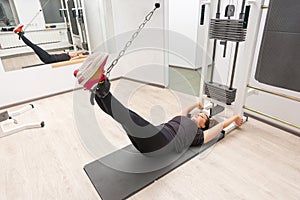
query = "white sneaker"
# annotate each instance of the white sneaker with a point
(92, 70)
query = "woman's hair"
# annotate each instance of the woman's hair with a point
(207, 122)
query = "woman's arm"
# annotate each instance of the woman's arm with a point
(186, 111)
(214, 131)
(236, 118)
(76, 54)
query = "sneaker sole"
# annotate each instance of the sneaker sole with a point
(91, 66)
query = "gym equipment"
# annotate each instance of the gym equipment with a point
(226, 30)
(216, 109)
(292, 98)
(220, 92)
(246, 19)
(8, 118)
(229, 11)
(51, 26)
(7, 28)
(278, 60)
(112, 184)
(202, 15)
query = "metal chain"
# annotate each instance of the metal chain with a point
(128, 44)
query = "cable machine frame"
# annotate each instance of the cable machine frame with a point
(245, 89)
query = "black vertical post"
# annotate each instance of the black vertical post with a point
(234, 64)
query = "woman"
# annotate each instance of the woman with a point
(176, 135)
(44, 56)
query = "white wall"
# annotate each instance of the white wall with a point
(183, 19)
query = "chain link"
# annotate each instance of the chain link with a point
(128, 44)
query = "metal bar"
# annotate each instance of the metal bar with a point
(232, 126)
(234, 65)
(271, 117)
(275, 93)
(21, 110)
(218, 9)
(213, 60)
(242, 10)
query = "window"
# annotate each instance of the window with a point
(51, 11)
(8, 15)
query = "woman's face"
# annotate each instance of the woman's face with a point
(200, 119)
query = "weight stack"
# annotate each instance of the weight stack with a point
(227, 29)
(220, 92)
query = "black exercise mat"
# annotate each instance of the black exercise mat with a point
(115, 184)
(208, 145)
(279, 60)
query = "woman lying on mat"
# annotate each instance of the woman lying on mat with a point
(44, 56)
(177, 134)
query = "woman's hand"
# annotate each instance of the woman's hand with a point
(238, 120)
(200, 106)
(74, 58)
(186, 111)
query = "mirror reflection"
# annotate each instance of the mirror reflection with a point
(47, 31)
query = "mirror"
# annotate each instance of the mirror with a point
(56, 26)
(7, 18)
(104, 20)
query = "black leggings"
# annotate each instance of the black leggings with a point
(144, 136)
(45, 56)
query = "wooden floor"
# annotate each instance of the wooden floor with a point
(256, 161)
